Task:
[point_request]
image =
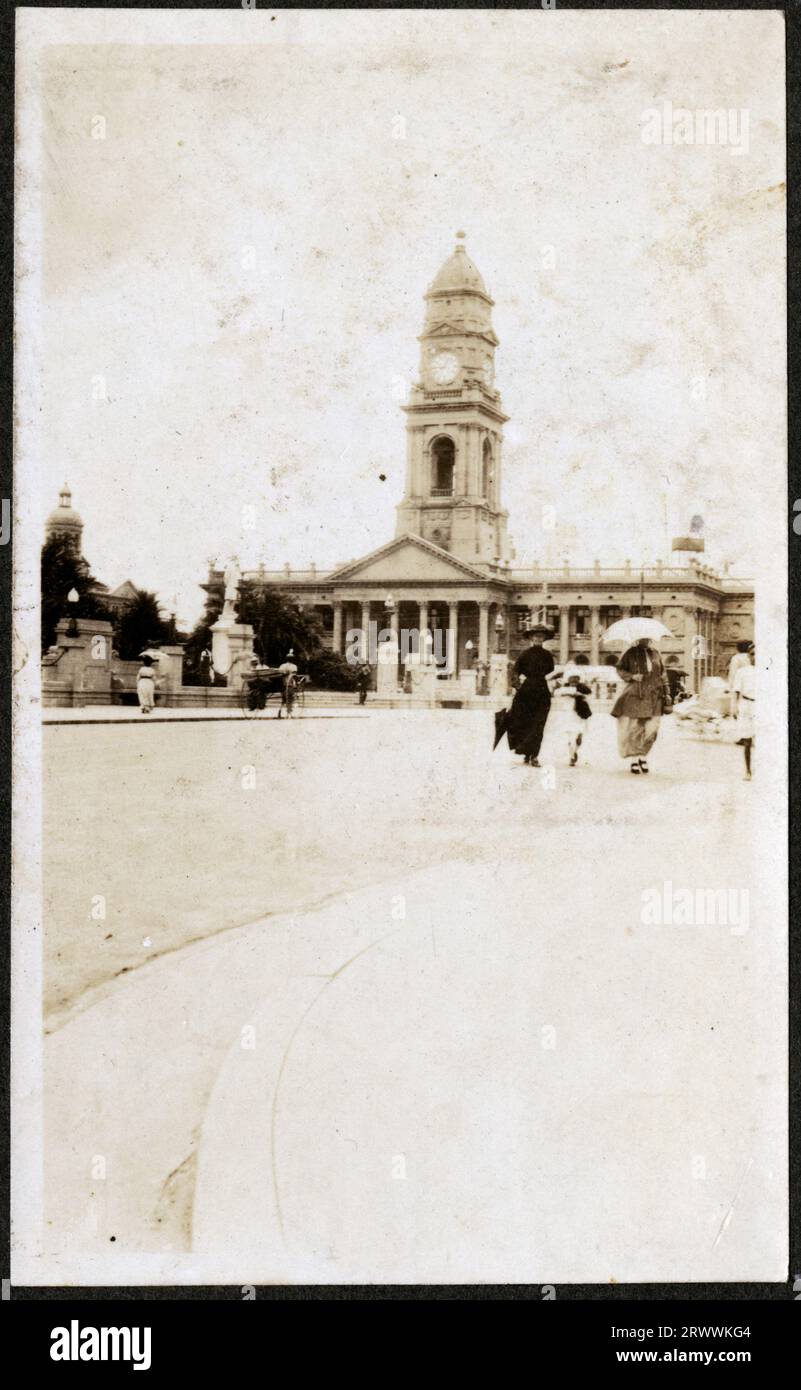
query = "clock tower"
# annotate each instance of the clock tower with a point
(455, 423)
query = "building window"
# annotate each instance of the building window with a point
(527, 617)
(644, 612)
(443, 456)
(582, 621)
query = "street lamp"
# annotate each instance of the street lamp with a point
(468, 646)
(73, 598)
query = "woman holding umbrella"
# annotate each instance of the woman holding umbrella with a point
(646, 696)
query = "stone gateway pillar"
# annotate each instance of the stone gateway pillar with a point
(84, 665)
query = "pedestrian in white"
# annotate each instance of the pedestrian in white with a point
(569, 714)
(737, 663)
(146, 685)
(745, 697)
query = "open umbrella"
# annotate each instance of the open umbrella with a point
(151, 652)
(627, 630)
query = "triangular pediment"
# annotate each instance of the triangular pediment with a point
(407, 558)
(124, 590)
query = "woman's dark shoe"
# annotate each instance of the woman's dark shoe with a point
(643, 765)
(635, 767)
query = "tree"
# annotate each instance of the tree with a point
(279, 624)
(330, 671)
(141, 624)
(62, 571)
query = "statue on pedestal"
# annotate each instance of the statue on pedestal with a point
(231, 578)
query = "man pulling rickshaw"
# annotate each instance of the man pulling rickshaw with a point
(262, 683)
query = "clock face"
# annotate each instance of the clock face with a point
(444, 368)
(488, 370)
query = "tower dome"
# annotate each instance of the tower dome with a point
(65, 521)
(458, 274)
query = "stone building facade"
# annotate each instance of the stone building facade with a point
(448, 569)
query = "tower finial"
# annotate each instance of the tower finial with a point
(460, 236)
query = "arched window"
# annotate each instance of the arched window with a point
(442, 464)
(486, 469)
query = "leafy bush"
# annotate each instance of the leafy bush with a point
(328, 671)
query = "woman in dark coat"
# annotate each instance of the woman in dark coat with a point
(639, 707)
(529, 709)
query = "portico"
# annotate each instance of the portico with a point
(412, 587)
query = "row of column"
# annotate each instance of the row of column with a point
(595, 632)
(393, 622)
(700, 631)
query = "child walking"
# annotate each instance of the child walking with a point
(572, 712)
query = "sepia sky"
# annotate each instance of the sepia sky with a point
(240, 263)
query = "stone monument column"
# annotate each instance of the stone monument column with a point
(231, 641)
(231, 650)
(388, 654)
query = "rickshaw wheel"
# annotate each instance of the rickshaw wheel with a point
(251, 700)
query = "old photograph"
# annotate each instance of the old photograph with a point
(400, 881)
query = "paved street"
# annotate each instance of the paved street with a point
(187, 831)
(459, 1019)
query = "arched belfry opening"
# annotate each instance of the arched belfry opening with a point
(443, 460)
(486, 469)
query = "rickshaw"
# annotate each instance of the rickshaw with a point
(705, 713)
(261, 684)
